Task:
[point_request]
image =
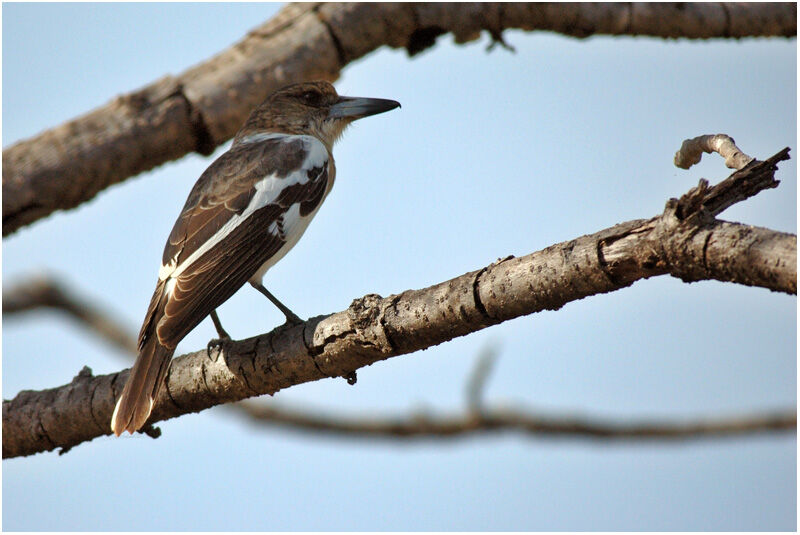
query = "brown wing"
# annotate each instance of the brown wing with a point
(225, 190)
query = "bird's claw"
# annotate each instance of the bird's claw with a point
(217, 344)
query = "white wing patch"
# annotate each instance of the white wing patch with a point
(169, 286)
(166, 270)
(275, 230)
(267, 191)
(294, 226)
(255, 138)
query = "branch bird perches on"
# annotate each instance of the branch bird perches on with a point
(685, 241)
(44, 292)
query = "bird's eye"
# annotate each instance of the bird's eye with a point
(312, 98)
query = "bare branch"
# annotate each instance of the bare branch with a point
(203, 107)
(684, 242)
(49, 292)
(425, 426)
(46, 292)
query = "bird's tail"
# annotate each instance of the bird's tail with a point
(144, 382)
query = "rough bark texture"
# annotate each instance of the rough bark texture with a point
(43, 292)
(204, 106)
(685, 241)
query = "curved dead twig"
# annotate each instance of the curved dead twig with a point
(692, 150)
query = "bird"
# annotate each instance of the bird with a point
(244, 213)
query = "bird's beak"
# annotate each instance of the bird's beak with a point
(358, 107)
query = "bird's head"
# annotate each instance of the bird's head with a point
(311, 108)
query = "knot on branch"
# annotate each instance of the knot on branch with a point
(351, 378)
(364, 310)
(83, 376)
(151, 431)
(366, 315)
(690, 207)
(422, 39)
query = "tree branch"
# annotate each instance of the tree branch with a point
(685, 242)
(51, 293)
(424, 426)
(480, 420)
(203, 107)
(477, 380)
(47, 292)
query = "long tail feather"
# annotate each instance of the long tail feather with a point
(144, 383)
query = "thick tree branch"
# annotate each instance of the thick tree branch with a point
(50, 293)
(685, 241)
(203, 107)
(425, 426)
(47, 292)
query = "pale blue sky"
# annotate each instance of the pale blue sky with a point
(491, 154)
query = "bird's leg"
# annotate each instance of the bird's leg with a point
(291, 317)
(223, 335)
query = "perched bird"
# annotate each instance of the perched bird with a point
(243, 215)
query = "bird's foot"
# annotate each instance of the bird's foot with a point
(217, 345)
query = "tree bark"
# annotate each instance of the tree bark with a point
(686, 241)
(45, 292)
(204, 106)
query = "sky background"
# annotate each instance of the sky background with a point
(492, 154)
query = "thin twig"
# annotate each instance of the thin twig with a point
(526, 421)
(479, 377)
(44, 291)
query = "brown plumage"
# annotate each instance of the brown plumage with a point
(244, 213)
